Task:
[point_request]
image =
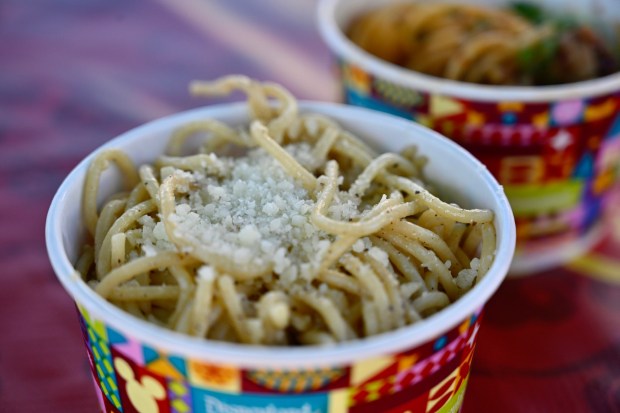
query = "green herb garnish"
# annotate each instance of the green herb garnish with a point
(537, 16)
(530, 12)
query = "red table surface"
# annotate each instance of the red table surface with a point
(75, 73)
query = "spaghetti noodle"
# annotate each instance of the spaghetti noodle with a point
(305, 236)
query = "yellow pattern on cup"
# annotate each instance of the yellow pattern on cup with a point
(142, 394)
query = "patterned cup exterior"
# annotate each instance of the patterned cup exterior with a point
(131, 376)
(556, 160)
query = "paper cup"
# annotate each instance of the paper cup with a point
(139, 367)
(555, 149)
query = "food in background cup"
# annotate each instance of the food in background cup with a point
(519, 45)
(554, 148)
(306, 236)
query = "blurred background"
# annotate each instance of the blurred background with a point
(74, 74)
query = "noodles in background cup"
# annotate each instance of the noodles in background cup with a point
(140, 366)
(555, 149)
(521, 44)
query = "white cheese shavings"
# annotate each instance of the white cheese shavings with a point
(206, 273)
(256, 214)
(465, 279)
(379, 255)
(152, 238)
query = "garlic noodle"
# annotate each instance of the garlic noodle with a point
(288, 230)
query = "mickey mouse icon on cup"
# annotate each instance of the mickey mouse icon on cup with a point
(143, 394)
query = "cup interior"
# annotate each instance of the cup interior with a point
(456, 173)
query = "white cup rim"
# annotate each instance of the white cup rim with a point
(279, 357)
(351, 53)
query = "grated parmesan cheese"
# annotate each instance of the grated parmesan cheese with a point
(206, 273)
(255, 213)
(379, 255)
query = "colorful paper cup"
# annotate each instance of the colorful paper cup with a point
(555, 149)
(140, 367)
